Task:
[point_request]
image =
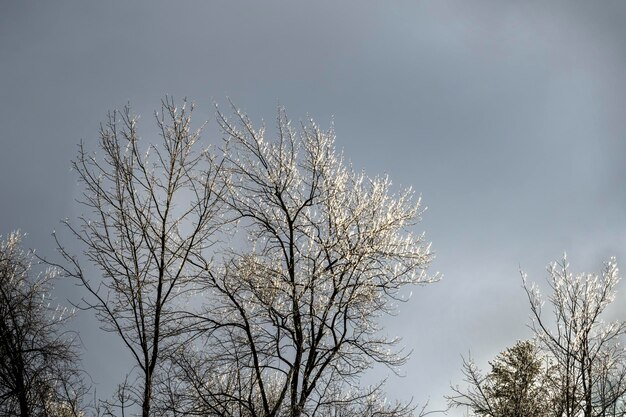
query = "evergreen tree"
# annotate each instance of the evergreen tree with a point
(517, 382)
(516, 386)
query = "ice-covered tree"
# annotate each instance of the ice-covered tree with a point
(150, 211)
(38, 355)
(292, 322)
(586, 349)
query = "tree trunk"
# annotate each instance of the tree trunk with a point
(24, 411)
(147, 396)
(21, 389)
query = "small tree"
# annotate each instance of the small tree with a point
(151, 211)
(292, 323)
(38, 357)
(587, 351)
(517, 385)
(520, 377)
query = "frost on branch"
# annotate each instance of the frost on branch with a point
(587, 351)
(151, 216)
(38, 357)
(294, 318)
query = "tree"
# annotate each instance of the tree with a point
(38, 357)
(588, 351)
(151, 210)
(517, 385)
(293, 319)
(521, 378)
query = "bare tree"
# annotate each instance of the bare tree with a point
(39, 376)
(587, 350)
(474, 396)
(151, 210)
(293, 319)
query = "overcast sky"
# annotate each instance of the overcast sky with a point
(508, 117)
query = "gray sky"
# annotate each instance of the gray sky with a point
(508, 117)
